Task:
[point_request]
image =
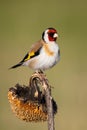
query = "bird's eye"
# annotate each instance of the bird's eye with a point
(51, 34)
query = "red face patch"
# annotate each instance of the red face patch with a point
(51, 33)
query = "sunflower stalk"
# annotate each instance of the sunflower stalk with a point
(41, 77)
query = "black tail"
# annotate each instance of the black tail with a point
(17, 65)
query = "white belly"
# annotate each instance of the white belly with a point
(44, 61)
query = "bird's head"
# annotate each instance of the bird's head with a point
(49, 35)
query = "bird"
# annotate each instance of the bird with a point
(43, 54)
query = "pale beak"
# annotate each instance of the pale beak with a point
(55, 35)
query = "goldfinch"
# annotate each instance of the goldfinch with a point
(44, 54)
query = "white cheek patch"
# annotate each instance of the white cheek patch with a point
(46, 37)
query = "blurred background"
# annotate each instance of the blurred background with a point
(21, 24)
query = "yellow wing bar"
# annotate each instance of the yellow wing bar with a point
(29, 56)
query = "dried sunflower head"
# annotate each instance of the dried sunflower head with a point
(28, 103)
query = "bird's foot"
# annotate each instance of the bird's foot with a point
(39, 71)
